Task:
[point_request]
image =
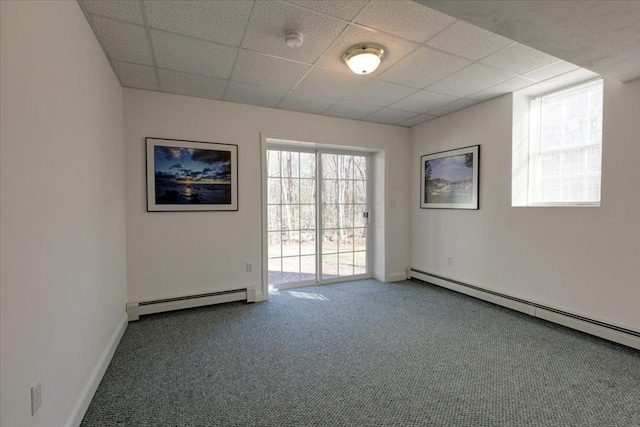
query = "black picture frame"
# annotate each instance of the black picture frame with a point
(185, 175)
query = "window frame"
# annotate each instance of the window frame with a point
(530, 147)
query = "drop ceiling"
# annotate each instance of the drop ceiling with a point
(235, 51)
(603, 36)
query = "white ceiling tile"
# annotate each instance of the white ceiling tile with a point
(404, 18)
(307, 103)
(330, 83)
(394, 48)
(270, 21)
(254, 95)
(468, 40)
(423, 67)
(124, 10)
(474, 78)
(519, 59)
(126, 42)
(345, 9)
(257, 69)
(192, 56)
(552, 70)
(136, 76)
(351, 110)
(376, 92)
(454, 106)
(422, 101)
(389, 116)
(421, 118)
(191, 85)
(509, 86)
(218, 21)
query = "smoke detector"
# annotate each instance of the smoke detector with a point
(293, 39)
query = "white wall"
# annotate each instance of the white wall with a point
(63, 261)
(177, 253)
(581, 260)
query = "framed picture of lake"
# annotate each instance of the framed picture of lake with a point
(449, 180)
(191, 176)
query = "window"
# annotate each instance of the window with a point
(560, 162)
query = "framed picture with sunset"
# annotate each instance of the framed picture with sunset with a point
(191, 175)
(449, 179)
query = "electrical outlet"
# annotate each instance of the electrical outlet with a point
(36, 398)
(449, 260)
(249, 267)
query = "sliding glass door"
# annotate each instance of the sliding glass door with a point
(317, 228)
(344, 207)
(291, 217)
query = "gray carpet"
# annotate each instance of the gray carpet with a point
(364, 354)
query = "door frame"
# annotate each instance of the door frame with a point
(303, 146)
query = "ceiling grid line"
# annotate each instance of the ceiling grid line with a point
(435, 63)
(233, 67)
(153, 55)
(315, 66)
(317, 12)
(150, 27)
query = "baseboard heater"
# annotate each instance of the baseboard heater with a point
(600, 329)
(140, 308)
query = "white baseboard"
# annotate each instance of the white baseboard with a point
(589, 328)
(495, 299)
(569, 320)
(90, 387)
(396, 277)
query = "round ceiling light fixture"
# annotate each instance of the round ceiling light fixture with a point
(364, 58)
